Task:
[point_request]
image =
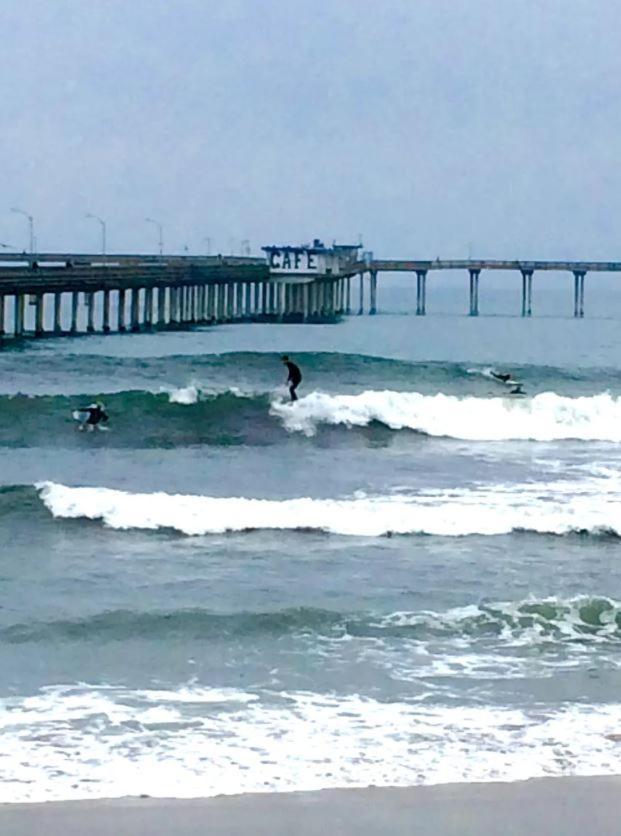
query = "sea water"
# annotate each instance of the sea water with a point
(407, 577)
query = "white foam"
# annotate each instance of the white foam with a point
(90, 742)
(185, 395)
(544, 417)
(546, 508)
(191, 394)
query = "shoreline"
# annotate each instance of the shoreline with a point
(567, 806)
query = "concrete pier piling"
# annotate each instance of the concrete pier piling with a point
(527, 292)
(579, 293)
(474, 291)
(421, 292)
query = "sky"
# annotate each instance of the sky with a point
(432, 128)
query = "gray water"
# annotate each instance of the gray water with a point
(425, 589)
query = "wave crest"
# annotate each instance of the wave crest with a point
(544, 417)
(592, 506)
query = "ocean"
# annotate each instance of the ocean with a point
(407, 577)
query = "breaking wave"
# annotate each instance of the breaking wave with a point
(591, 506)
(582, 619)
(544, 417)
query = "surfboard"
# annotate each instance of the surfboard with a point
(82, 417)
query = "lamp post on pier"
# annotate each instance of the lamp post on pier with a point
(30, 227)
(207, 240)
(160, 229)
(103, 231)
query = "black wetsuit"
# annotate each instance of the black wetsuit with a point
(95, 415)
(294, 379)
(503, 377)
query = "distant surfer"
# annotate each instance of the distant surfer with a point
(295, 377)
(517, 390)
(91, 416)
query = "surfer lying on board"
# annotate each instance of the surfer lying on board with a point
(96, 414)
(502, 376)
(295, 377)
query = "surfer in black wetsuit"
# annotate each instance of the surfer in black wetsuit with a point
(295, 377)
(505, 378)
(96, 414)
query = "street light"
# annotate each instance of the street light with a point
(161, 233)
(103, 231)
(31, 227)
(207, 240)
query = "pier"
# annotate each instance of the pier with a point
(66, 294)
(472, 268)
(55, 294)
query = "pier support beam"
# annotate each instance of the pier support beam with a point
(421, 292)
(527, 292)
(90, 311)
(2, 325)
(135, 322)
(39, 315)
(211, 303)
(20, 305)
(121, 312)
(106, 312)
(348, 295)
(579, 293)
(474, 291)
(148, 307)
(161, 307)
(373, 293)
(58, 329)
(361, 305)
(75, 304)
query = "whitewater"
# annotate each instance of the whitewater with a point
(544, 417)
(407, 577)
(592, 505)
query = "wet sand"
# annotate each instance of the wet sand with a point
(557, 806)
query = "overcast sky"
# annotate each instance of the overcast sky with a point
(431, 127)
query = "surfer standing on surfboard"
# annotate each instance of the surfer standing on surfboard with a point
(96, 414)
(295, 377)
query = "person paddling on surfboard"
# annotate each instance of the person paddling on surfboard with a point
(502, 376)
(295, 377)
(96, 414)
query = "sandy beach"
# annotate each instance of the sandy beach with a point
(560, 806)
